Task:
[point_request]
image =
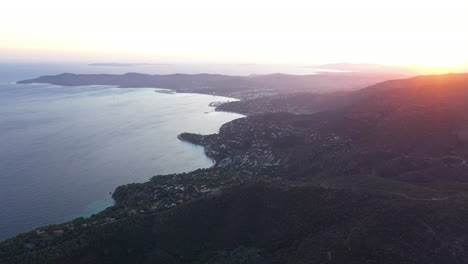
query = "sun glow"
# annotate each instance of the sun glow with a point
(428, 33)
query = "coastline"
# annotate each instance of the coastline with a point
(96, 210)
(89, 211)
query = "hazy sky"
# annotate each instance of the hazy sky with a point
(431, 33)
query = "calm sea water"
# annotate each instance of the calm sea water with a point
(63, 149)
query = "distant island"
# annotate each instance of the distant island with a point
(123, 64)
(365, 67)
(377, 175)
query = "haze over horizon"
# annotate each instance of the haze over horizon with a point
(426, 33)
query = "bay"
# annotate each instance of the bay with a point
(64, 149)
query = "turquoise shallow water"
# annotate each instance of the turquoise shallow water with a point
(91, 209)
(63, 149)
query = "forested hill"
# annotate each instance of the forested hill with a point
(419, 90)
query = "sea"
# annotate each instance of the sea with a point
(63, 150)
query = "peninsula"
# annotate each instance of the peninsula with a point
(241, 87)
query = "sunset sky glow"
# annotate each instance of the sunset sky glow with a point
(429, 33)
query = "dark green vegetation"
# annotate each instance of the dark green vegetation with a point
(379, 177)
(241, 87)
(270, 223)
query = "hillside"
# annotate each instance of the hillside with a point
(421, 90)
(271, 223)
(380, 177)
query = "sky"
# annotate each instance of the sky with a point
(429, 33)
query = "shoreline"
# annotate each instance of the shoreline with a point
(85, 212)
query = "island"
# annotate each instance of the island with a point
(113, 64)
